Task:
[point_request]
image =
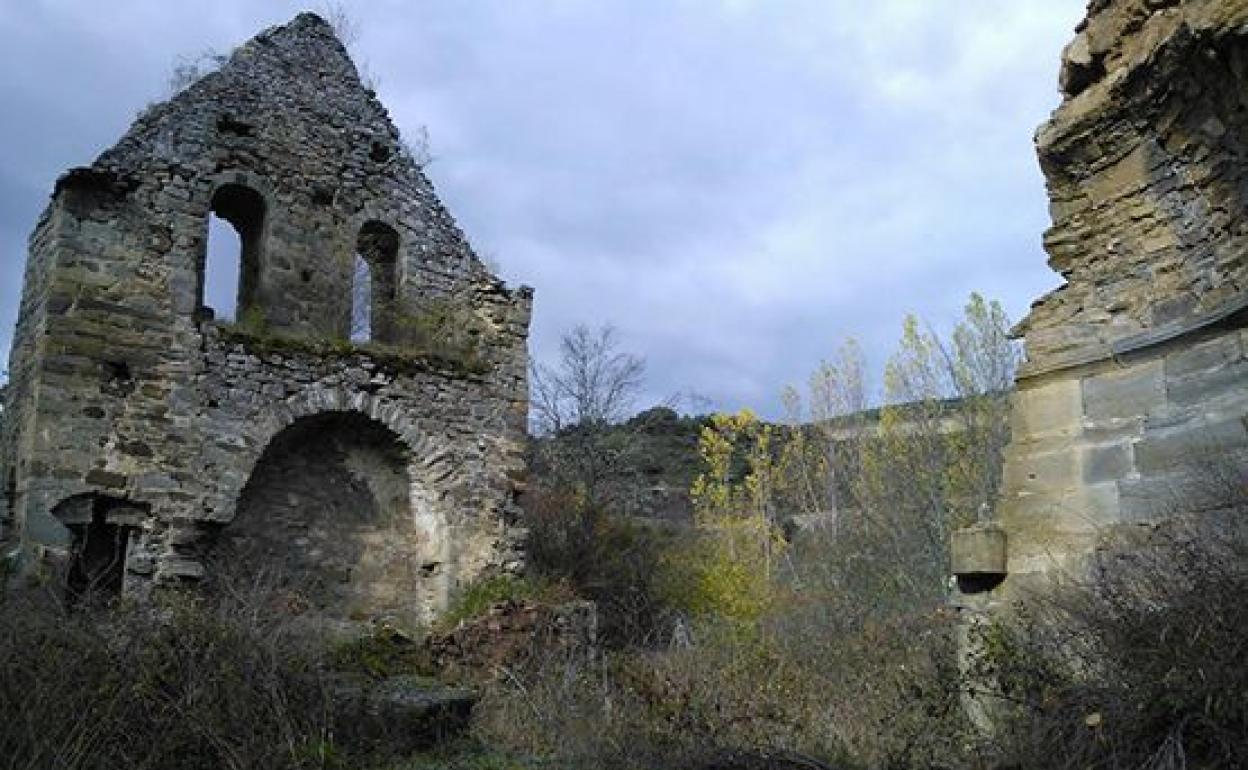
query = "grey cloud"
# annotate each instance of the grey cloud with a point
(736, 185)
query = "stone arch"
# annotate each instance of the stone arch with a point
(421, 540)
(246, 202)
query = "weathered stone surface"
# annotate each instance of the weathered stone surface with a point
(1145, 167)
(979, 550)
(402, 714)
(1136, 381)
(376, 476)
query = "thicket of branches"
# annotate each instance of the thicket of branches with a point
(801, 616)
(1139, 662)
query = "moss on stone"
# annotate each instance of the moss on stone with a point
(398, 359)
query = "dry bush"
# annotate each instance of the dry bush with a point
(818, 678)
(191, 687)
(611, 560)
(878, 696)
(853, 663)
(236, 682)
(1140, 664)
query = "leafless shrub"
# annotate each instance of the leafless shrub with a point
(190, 68)
(346, 28)
(1140, 663)
(418, 149)
(610, 560)
(236, 682)
(123, 687)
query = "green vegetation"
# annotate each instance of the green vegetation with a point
(479, 597)
(795, 618)
(443, 336)
(384, 653)
(444, 328)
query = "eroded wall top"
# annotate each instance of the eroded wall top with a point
(1146, 162)
(285, 142)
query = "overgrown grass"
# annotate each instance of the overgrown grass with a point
(479, 597)
(467, 754)
(232, 683)
(190, 687)
(381, 654)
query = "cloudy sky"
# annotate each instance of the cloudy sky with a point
(737, 185)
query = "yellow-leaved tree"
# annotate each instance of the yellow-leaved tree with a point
(727, 572)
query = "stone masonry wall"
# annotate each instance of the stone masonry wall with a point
(131, 408)
(1136, 379)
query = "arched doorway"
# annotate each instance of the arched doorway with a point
(327, 516)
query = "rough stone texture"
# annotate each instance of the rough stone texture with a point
(131, 412)
(1136, 375)
(978, 550)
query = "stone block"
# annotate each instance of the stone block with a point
(1107, 462)
(1209, 386)
(1151, 497)
(1052, 407)
(1128, 393)
(43, 529)
(978, 550)
(1029, 473)
(1186, 445)
(1209, 355)
(181, 568)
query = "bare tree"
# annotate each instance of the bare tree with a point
(593, 385)
(190, 68)
(575, 408)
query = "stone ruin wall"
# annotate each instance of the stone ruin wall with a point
(133, 413)
(1136, 379)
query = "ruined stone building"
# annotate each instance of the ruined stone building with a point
(146, 441)
(1136, 378)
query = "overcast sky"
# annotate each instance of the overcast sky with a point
(737, 185)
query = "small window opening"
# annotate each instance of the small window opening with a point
(117, 379)
(228, 125)
(101, 527)
(380, 153)
(231, 272)
(374, 286)
(99, 564)
(979, 582)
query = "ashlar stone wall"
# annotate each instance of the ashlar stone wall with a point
(1136, 379)
(374, 477)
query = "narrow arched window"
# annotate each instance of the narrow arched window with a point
(375, 286)
(231, 274)
(221, 272)
(361, 301)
